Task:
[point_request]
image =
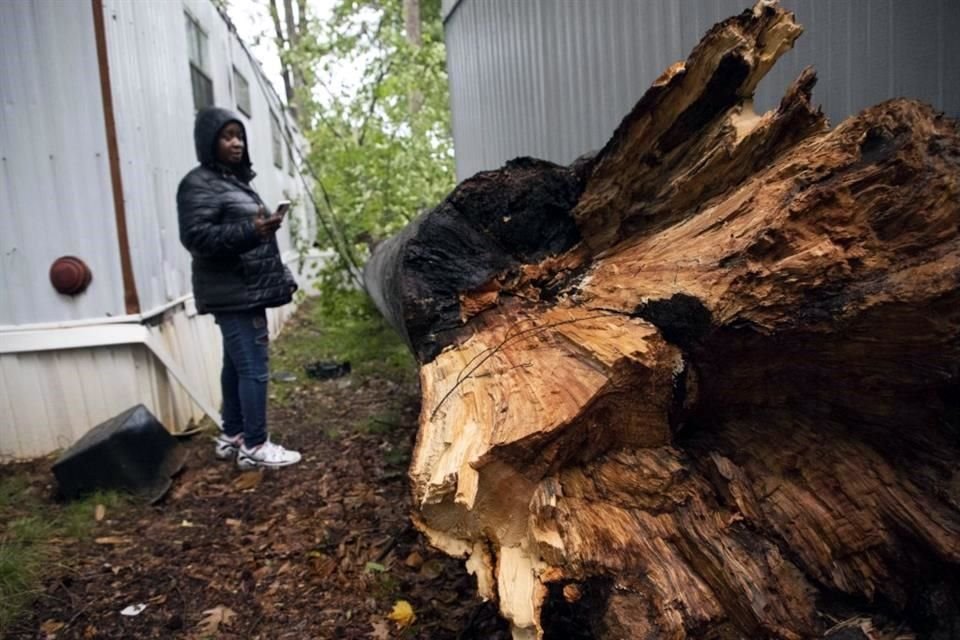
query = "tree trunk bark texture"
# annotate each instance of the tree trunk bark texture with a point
(703, 383)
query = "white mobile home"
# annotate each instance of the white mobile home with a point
(96, 130)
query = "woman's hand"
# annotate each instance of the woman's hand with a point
(266, 226)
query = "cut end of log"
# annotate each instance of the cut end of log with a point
(709, 391)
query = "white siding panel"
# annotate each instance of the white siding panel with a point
(9, 437)
(29, 407)
(66, 367)
(56, 199)
(55, 191)
(194, 344)
(55, 187)
(49, 399)
(146, 44)
(150, 72)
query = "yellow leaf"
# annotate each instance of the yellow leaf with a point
(247, 481)
(213, 618)
(402, 614)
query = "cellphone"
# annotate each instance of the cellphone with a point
(283, 207)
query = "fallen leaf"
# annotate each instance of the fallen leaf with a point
(248, 480)
(89, 632)
(50, 627)
(233, 522)
(99, 512)
(323, 565)
(414, 560)
(432, 569)
(113, 540)
(380, 631)
(187, 524)
(371, 567)
(402, 614)
(160, 599)
(213, 618)
(264, 526)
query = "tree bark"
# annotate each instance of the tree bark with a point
(412, 28)
(281, 40)
(294, 29)
(703, 384)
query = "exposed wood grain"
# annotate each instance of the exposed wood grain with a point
(724, 405)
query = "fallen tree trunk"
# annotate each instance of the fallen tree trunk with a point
(705, 383)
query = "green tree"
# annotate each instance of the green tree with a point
(372, 99)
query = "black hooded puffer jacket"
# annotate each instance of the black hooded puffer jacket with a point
(233, 268)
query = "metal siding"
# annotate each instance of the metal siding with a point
(146, 43)
(49, 399)
(55, 191)
(553, 78)
(153, 98)
(54, 204)
(55, 188)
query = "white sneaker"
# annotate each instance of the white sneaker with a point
(268, 455)
(225, 447)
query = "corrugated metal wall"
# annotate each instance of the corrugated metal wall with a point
(55, 190)
(553, 78)
(48, 399)
(56, 199)
(149, 69)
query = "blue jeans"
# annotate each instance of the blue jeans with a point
(245, 373)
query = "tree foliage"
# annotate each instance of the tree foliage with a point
(375, 110)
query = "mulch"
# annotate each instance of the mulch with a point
(322, 549)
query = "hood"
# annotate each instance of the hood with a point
(207, 126)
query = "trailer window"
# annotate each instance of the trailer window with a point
(200, 80)
(242, 89)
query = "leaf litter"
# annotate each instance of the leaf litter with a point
(323, 549)
(214, 618)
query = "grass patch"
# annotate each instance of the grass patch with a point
(347, 328)
(29, 524)
(381, 423)
(398, 457)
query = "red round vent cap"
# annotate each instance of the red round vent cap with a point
(70, 275)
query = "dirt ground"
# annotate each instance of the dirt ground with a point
(323, 549)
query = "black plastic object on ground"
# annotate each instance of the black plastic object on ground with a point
(326, 370)
(131, 451)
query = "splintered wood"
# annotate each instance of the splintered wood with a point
(719, 398)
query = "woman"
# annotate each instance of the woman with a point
(237, 275)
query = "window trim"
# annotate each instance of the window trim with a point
(248, 109)
(197, 37)
(199, 28)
